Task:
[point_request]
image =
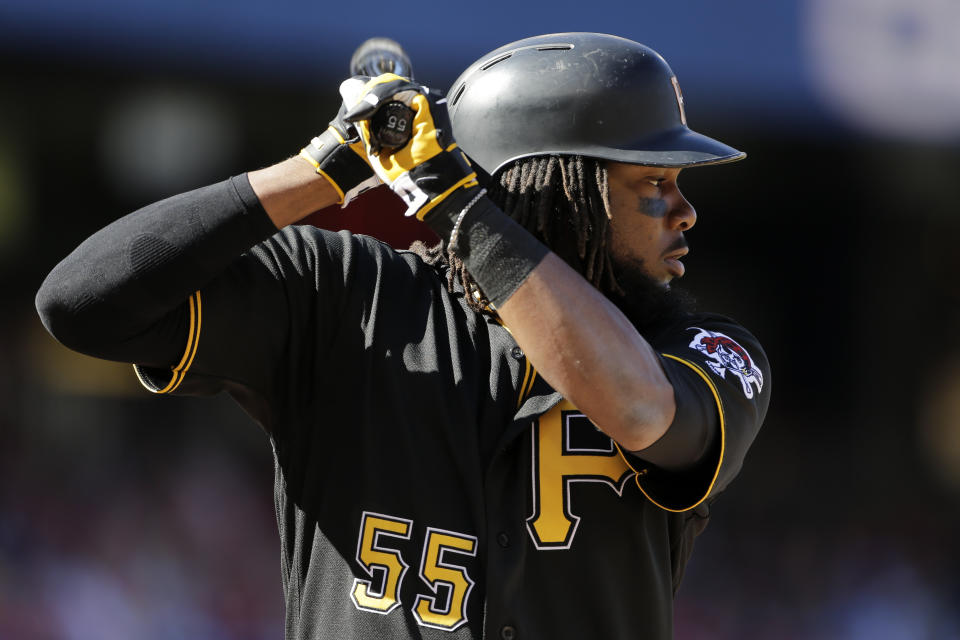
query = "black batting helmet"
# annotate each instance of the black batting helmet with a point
(586, 94)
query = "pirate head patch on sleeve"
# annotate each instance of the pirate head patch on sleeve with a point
(725, 355)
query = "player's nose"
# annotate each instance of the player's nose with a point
(682, 216)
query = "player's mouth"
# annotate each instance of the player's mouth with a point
(672, 260)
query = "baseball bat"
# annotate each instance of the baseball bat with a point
(392, 125)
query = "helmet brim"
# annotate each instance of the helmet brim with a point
(677, 148)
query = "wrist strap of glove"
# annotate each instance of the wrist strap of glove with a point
(333, 158)
(435, 181)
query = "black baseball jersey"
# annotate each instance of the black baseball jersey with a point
(429, 484)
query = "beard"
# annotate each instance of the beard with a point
(648, 304)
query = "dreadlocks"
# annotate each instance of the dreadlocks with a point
(564, 202)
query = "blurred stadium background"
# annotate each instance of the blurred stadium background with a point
(129, 516)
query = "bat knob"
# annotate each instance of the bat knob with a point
(377, 56)
(392, 125)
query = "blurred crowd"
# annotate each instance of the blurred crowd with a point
(144, 535)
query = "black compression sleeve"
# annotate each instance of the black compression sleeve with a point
(120, 294)
(497, 251)
(695, 428)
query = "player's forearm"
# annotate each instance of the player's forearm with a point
(587, 349)
(578, 340)
(119, 284)
(291, 190)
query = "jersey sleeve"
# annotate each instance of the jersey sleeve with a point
(255, 328)
(719, 373)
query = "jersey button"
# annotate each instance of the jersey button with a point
(508, 633)
(517, 353)
(503, 539)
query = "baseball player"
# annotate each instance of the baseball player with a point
(516, 434)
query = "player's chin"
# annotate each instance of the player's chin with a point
(662, 278)
(635, 274)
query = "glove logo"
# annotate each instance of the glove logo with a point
(724, 354)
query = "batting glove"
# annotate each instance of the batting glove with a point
(339, 155)
(425, 172)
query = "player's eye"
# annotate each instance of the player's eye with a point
(657, 182)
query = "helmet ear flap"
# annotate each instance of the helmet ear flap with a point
(587, 94)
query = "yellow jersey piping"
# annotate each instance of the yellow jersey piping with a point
(529, 376)
(179, 372)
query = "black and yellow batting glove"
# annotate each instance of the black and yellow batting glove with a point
(338, 154)
(423, 165)
(409, 142)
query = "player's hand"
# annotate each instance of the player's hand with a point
(429, 169)
(339, 155)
